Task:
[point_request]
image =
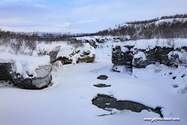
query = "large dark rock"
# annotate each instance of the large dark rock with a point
(107, 102)
(154, 55)
(102, 77)
(42, 80)
(5, 69)
(122, 58)
(101, 85)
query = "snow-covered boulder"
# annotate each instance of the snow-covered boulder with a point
(178, 57)
(27, 72)
(42, 80)
(67, 52)
(72, 55)
(53, 53)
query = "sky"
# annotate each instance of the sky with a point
(81, 16)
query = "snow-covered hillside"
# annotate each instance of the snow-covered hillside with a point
(68, 100)
(164, 27)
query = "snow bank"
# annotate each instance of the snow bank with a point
(46, 48)
(152, 43)
(170, 20)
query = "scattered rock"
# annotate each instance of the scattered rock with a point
(175, 85)
(106, 102)
(183, 76)
(100, 85)
(102, 77)
(174, 77)
(115, 69)
(170, 73)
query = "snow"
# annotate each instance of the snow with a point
(170, 20)
(160, 21)
(140, 55)
(151, 43)
(46, 48)
(182, 56)
(68, 100)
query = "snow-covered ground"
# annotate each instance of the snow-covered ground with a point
(68, 100)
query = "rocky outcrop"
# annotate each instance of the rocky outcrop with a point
(86, 59)
(152, 56)
(64, 60)
(41, 81)
(54, 53)
(122, 58)
(72, 54)
(140, 58)
(82, 58)
(5, 69)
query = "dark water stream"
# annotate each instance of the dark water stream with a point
(107, 102)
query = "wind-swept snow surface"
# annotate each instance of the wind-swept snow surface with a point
(68, 100)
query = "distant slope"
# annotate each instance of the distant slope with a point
(164, 27)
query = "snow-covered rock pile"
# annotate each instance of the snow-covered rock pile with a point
(170, 52)
(29, 72)
(34, 72)
(67, 53)
(100, 41)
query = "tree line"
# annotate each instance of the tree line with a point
(20, 41)
(155, 28)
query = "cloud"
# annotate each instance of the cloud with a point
(86, 21)
(40, 6)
